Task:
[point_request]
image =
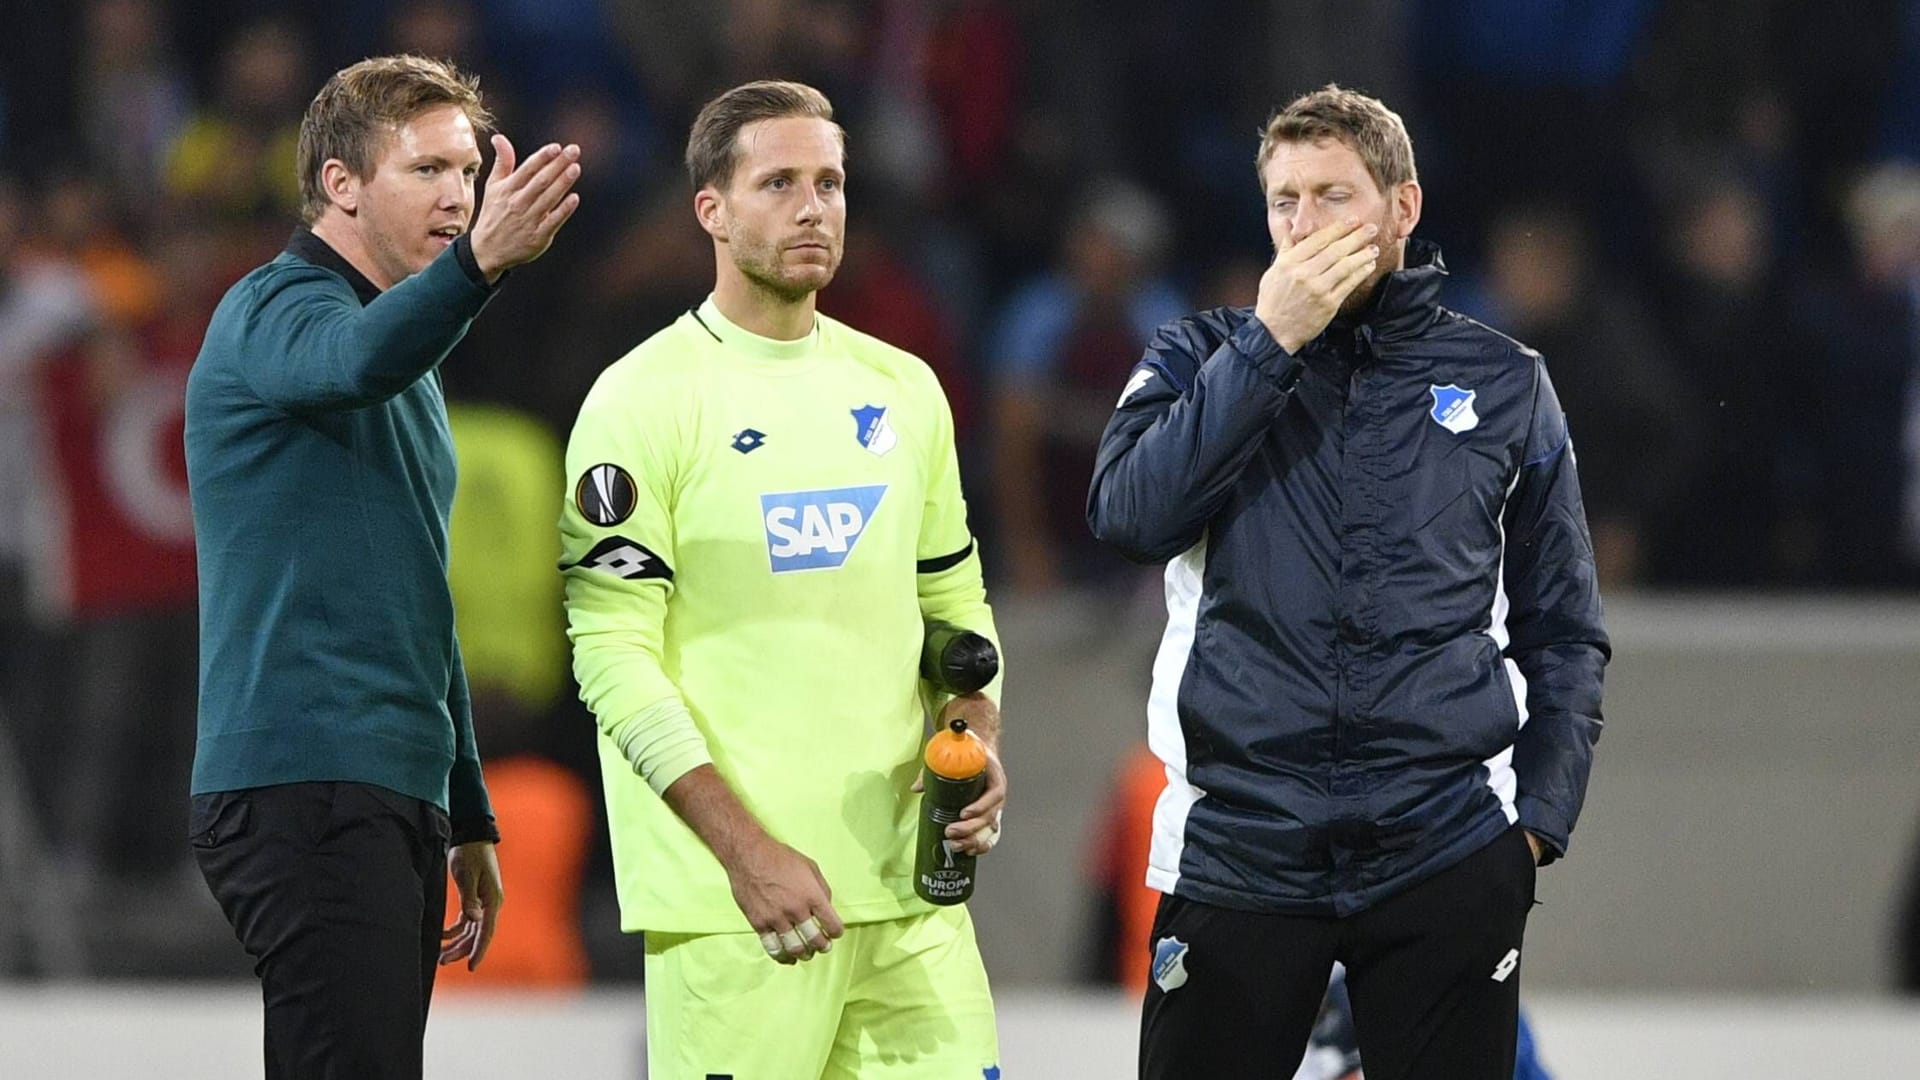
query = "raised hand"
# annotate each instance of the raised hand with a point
(523, 207)
(1303, 289)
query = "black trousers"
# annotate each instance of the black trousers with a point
(337, 890)
(1434, 974)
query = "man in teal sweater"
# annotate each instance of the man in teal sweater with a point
(336, 782)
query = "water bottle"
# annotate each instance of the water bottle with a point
(955, 776)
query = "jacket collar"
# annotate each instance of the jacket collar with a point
(306, 246)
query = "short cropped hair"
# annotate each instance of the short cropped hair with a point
(1363, 123)
(713, 146)
(360, 106)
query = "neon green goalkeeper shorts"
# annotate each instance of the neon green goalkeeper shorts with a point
(905, 999)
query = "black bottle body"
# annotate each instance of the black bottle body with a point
(941, 874)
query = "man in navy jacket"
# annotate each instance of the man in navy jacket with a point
(1379, 688)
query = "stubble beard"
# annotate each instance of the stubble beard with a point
(768, 279)
(393, 257)
(760, 264)
(1363, 294)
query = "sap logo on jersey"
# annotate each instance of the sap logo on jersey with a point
(816, 530)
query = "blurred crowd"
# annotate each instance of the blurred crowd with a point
(1705, 214)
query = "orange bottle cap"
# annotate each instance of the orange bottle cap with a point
(956, 754)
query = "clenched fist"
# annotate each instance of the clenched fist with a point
(525, 206)
(1304, 288)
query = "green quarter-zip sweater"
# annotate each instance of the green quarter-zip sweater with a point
(322, 474)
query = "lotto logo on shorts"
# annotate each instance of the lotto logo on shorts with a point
(1506, 965)
(817, 530)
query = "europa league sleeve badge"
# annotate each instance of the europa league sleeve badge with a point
(605, 495)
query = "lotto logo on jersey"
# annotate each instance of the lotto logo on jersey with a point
(816, 530)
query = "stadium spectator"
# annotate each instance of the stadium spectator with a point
(575, 311)
(1493, 76)
(135, 97)
(117, 570)
(445, 29)
(1057, 347)
(1726, 313)
(46, 309)
(451, 30)
(80, 221)
(237, 158)
(972, 64)
(1861, 326)
(1611, 370)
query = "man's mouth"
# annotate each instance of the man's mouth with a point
(447, 234)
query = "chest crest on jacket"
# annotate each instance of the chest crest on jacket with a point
(1453, 408)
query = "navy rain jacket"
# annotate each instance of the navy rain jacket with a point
(1383, 644)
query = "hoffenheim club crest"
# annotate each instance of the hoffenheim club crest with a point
(871, 428)
(1170, 964)
(1453, 408)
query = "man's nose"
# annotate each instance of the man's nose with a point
(812, 208)
(1304, 222)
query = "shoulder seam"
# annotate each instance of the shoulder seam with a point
(1513, 345)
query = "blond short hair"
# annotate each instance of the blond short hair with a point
(1362, 123)
(359, 108)
(713, 146)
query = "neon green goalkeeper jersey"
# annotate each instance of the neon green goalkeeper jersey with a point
(754, 532)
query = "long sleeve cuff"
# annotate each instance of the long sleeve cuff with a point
(463, 253)
(470, 830)
(1545, 822)
(470, 812)
(661, 743)
(1256, 344)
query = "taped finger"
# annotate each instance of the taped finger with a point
(770, 941)
(793, 943)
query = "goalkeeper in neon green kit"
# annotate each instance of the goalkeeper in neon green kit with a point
(764, 510)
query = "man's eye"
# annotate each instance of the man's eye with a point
(778, 183)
